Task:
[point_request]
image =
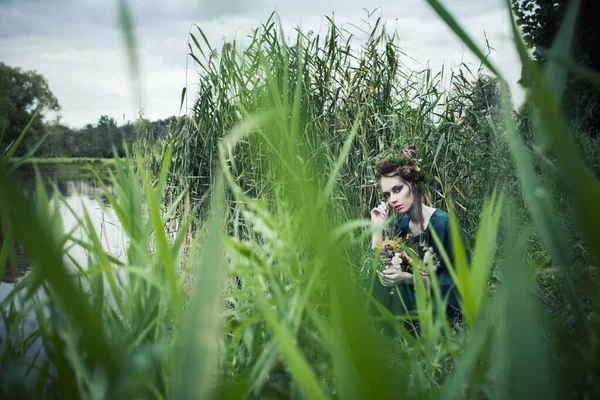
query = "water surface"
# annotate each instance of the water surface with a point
(74, 194)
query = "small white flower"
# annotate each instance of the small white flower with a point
(427, 257)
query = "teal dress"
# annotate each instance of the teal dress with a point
(403, 301)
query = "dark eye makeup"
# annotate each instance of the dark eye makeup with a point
(395, 189)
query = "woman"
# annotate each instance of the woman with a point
(400, 177)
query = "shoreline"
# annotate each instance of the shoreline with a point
(60, 166)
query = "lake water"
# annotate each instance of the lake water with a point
(78, 194)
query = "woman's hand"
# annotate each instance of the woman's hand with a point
(392, 277)
(380, 213)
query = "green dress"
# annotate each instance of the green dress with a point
(403, 301)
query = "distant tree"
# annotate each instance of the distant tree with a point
(21, 94)
(153, 132)
(54, 145)
(540, 21)
(106, 123)
(106, 135)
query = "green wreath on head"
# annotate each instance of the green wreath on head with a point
(402, 162)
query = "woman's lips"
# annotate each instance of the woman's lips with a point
(398, 208)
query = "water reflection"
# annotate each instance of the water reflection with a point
(75, 196)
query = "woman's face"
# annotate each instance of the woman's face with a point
(397, 193)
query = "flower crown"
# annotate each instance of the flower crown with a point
(403, 162)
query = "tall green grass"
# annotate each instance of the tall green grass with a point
(255, 295)
(342, 77)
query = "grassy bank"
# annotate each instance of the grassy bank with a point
(64, 165)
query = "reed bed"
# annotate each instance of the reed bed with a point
(254, 295)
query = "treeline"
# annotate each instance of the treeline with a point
(98, 140)
(25, 98)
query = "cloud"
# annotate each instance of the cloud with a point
(216, 9)
(78, 46)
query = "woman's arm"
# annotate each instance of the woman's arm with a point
(379, 215)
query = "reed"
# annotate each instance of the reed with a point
(254, 294)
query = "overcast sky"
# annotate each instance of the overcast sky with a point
(78, 47)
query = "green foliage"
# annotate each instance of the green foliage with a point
(340, 80)
(73, 166)
(98, 140)
(275, 310)
(539, 21)
(22, 94)
(93, 140)
(104, 324)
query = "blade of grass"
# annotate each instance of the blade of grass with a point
(197, 344)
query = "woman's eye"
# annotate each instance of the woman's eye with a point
(398, 189)
(386, 196)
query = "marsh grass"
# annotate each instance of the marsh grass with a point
(254, 295)
(343, 76)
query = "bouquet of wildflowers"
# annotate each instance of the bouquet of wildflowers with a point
(392, 255)
(427, 253)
